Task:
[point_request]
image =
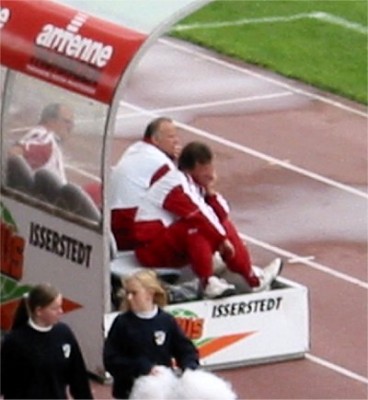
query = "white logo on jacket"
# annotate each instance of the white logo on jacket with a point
(67, 350)
(160, 337)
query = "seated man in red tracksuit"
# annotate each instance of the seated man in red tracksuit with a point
(140, 165)
(182, 220)
(41, 146)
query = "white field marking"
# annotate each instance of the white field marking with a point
(257, 154)
(300, 259)
(306, 261)
(318, 15)
(335, 20)
(191, 106)
(213, 103)
(83, 172)
(239, 22)
(286, 161)
(337, 368)
(246, 71)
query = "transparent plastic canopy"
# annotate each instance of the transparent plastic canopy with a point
(142, 15)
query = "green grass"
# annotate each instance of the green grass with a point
(326, 55)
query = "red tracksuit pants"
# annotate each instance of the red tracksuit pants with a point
(122, 227)
(179, 244)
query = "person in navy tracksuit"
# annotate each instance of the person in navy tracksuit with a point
(40, 356)
(145, 338)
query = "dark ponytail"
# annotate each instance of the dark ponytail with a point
(39, 296)
(21, 314)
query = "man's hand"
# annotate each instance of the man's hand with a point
(210, 183)
(226, 250)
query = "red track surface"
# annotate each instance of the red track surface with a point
(261, 126)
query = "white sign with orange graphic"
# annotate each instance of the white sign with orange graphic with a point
(248, 328)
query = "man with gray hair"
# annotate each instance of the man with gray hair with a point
(141, 164)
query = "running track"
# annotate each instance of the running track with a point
(292, 162)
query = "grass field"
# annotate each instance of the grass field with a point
(320, 42)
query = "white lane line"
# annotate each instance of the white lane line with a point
(337, 368)
(306, 261)
(335, 20)
(240, 22)
(273, 160)
(317, 15)
(208, 104)
(83, 172)
(243, 70)
(257, 154)
(300, 259)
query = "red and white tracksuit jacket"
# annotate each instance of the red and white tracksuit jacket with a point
(140, 165)
(41, 150)
(176, 224)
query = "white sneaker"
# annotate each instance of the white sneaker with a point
(217, 287)
(268, 275)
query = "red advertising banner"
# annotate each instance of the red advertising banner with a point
(66, 47)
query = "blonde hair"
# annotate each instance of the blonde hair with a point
(150, 281)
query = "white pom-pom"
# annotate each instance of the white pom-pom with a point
(160, 386)
(204, 385)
